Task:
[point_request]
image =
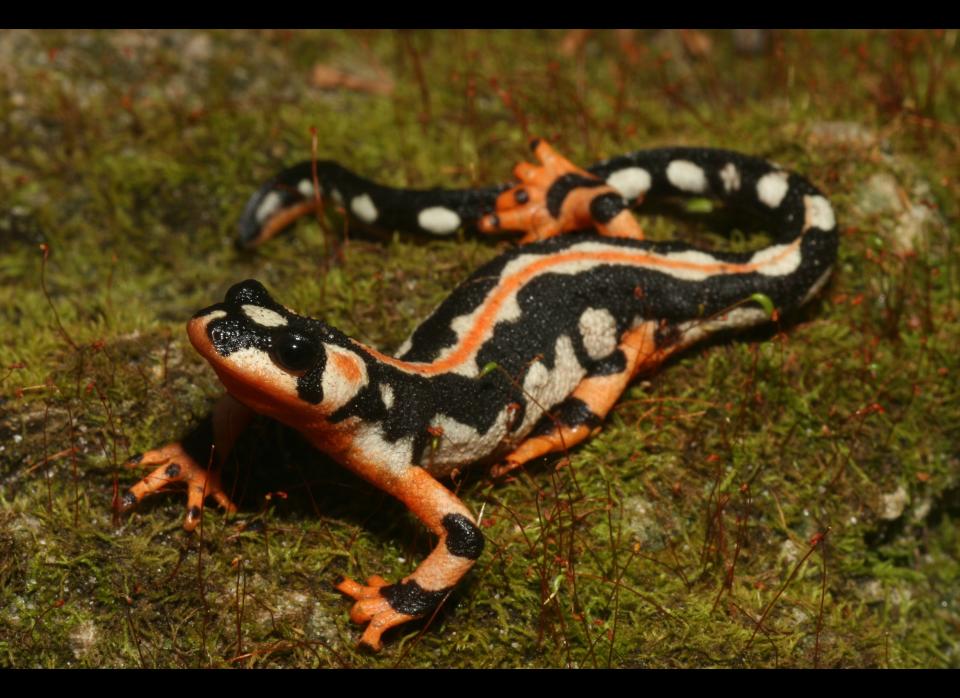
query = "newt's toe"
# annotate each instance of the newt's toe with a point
(175, 465)
(373, 608)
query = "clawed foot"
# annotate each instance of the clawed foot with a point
(174, 464)
(373, 608)
(507, 466)
(540, 204)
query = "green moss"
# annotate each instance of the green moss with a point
(661, 542)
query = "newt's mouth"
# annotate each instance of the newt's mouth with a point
(197, 331)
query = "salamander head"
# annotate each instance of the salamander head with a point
(281, 364)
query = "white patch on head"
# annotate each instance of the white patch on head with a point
(363, 208)
(789, 259)
(772, 187)
(598, 329)
(818, 213)
(687, 176)
(631, 182)
(369, 445)
(338, 388)
(386, 394)
(271, 202)
(438, 220)
(257, 364)
(264, 316)
(214, 315)
(305, 187)
(730, 176)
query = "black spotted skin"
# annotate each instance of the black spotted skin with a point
(463, 537)
(394, 209)
(405, 209)
(549, 308)
(528, 354)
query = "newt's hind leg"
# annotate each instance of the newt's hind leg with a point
(581, 414)
(558, 197)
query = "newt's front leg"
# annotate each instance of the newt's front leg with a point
(384, 605)
(186, 461)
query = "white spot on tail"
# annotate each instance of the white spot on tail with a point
(438, 220)
(731, 178)
(336, 196)
(264, 316)
(269, 205)
(386, 394)
(305, 187)
(599, 332)
(687, 176)
(818, 213)
(631, 182)
(772, 187)
(363, 208)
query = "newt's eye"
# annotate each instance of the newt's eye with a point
(293, 351)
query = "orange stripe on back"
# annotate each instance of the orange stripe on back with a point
(473, 339)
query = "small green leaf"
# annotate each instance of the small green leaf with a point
(764, 301)
(699, 205)
(490, 367)
(554, 588)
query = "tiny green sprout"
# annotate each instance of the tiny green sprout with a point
(489, 368)
(764, 301)
(554, 588)
(699, 205)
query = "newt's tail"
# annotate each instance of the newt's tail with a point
(291, 194)
(795, 211)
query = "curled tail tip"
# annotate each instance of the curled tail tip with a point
(272, 208)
